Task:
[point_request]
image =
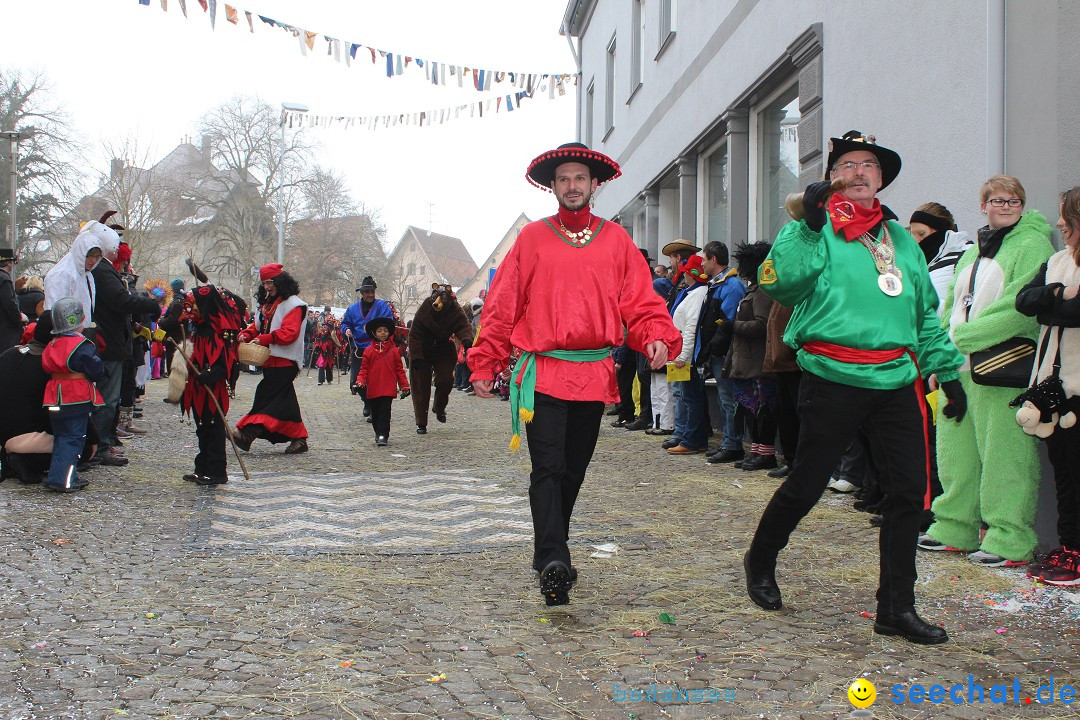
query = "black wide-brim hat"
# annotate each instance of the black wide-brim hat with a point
(376, 323)
(368, 283)
(541, 172)
(854, 140)
(7, 254)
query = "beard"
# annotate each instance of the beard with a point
(578, 203)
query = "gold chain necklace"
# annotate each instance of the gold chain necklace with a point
(889, 275)
(581, 237)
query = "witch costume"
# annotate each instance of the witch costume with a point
(275, 411)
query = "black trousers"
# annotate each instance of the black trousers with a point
(380, 415)
(354, 370)
(562, 437)
(624, 376)
(210, 461)
(1064, 450)
(787, 413)
(644, 376)
(892, 420)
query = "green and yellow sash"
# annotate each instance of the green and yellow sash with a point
(523, 386)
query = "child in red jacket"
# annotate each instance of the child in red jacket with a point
(381, 372)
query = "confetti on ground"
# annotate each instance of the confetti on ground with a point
(607, 548)
(667, 619)
(61, 541)
(437, 678)
(151, 615)
(346, 664)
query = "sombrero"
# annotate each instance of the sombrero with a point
(541, 172)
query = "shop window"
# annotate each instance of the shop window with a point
(717, 195)
(778, 160)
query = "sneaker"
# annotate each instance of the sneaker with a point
(1066, 573)
(1052, 558)
(840, 485)
(123, 434)
(981, 557)
(926, 542)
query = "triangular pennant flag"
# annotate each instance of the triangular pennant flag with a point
(389, 64)
(145, 2)
(165, 5)
(213, 13)
(251, 23)
(203, 5)
(231, 14)
(309, 39)
(183, 7)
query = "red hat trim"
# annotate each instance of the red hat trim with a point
(270, 271)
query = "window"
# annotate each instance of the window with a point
(410, 294)
(668, 13)
(609, 91)
(778, 160)
(637, 66)
(587, 121)
(717, 198)
(412, 270)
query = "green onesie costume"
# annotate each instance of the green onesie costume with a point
(989, 468)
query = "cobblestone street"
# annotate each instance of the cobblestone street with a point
(364, 582)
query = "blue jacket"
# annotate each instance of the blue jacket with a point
(714, 327)
(355, 320)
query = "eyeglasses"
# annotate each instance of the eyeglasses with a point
(1002, 202)
(851, 165)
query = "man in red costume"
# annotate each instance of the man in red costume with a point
(563, 295)
(275, 411)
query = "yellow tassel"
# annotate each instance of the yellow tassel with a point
(515, 443)
(526, 415)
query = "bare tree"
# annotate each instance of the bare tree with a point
(49, 183)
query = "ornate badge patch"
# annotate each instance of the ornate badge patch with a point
(767, 273)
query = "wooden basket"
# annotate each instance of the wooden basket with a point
(253, 354)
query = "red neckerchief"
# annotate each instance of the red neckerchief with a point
(851, 219)
(268, 313)
(575, 220)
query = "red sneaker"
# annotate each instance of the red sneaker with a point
(1066, 573)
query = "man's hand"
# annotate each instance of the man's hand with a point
(657, 354)
(348, 332)
(957, 407)
(680, 364)
(482, 388)
(813, 200)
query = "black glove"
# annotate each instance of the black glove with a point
(404, 394)
(813, 201)
(954, 393)
(205, 378)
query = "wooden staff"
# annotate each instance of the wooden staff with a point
(217, 406)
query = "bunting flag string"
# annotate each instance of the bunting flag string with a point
(396, 64)
(427, 118)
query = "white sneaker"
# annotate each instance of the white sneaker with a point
(840, 485)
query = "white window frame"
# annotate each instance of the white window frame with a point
(669, 12)
(609, 91)
(590, 111)
(637, 50)
(754, 176)
(703, 184)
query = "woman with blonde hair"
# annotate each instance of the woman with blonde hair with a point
(1051, 297)
(989, 468)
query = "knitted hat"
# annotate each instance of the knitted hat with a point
(541, 172)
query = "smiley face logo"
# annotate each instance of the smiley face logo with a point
(862, 693)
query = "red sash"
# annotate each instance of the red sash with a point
(852, 355)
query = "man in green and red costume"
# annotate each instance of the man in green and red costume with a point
(865, 326)
(563, 295)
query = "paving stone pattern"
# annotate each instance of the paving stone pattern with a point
(350, 583)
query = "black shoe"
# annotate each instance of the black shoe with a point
(911, 627)
(761, 583)
(381, 441)
(739, 463)
(296, 447)
(191, 477)
(670, 443)
(243, 438)
(619, 423)
(876, 520)
(367, 412)
(208, 480)
(781, 472)
(760, 462)
(726, 456)
(369, 419)
(61, 489)
(613, 411)
(113, 460)
(441, 417)
(421, 430)
(555, 583)
(639, 424)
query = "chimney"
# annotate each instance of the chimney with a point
(116, 169)
(206, 147)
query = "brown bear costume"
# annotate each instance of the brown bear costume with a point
(433, 354)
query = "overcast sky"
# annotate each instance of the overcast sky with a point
(120, 68)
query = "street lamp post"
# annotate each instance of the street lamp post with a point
(13, 137)
(285, 107)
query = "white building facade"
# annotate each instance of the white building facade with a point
(717, 109)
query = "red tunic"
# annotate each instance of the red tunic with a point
(551, 295)
(291, 326)
(381, 370)
(66, 390)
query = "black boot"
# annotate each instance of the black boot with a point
(911, 627)
(761, 582)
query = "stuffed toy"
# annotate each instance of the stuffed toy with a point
(1043, 406)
